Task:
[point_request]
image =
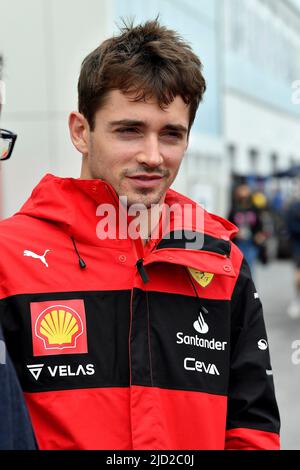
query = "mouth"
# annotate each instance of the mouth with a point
(146, 181)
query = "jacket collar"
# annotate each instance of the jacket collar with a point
(72, 203)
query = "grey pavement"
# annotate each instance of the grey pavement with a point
(274, 283)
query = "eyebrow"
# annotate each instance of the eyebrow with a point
(134, 122)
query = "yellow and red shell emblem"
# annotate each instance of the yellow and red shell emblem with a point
(59, 326)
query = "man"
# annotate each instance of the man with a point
(127, 332)
(293, 226)
(15, 427)
(246, 216)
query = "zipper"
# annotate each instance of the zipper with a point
(130, 366)
(140, 253)
(141, 265)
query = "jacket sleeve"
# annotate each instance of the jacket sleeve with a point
(15, 427)
(252, 416)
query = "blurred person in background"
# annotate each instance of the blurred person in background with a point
(293, 226)
(15, 426)
(245, 214)
(123, 342)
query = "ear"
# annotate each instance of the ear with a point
(79, 132)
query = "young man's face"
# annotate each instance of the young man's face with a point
(136, 146)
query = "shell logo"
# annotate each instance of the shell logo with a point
(58, 329)
(59, 326)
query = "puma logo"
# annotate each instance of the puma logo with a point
(34, 255)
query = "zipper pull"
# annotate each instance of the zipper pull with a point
(142, 271)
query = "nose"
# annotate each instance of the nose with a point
(150, 154)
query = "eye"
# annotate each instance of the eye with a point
(173, 135)
(127, 130)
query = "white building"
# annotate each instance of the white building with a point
(262, 61)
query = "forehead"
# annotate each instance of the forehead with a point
(118, 106)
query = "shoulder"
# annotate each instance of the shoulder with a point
(211, 224)
(15, 224)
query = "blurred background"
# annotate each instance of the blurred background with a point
(247, 131)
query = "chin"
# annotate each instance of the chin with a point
(146, 201)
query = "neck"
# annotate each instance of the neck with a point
(148, 221)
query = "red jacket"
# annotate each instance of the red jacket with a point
(120, 346)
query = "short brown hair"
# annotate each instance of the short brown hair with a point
(147, 60)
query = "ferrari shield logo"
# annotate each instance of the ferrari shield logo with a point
(202, 278)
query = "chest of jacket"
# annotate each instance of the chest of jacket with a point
(104, 326)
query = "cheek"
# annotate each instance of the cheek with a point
(122, 153)
(106, 155)
(173, 161)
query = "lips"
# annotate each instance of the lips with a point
(146, 181)
(146, 177)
